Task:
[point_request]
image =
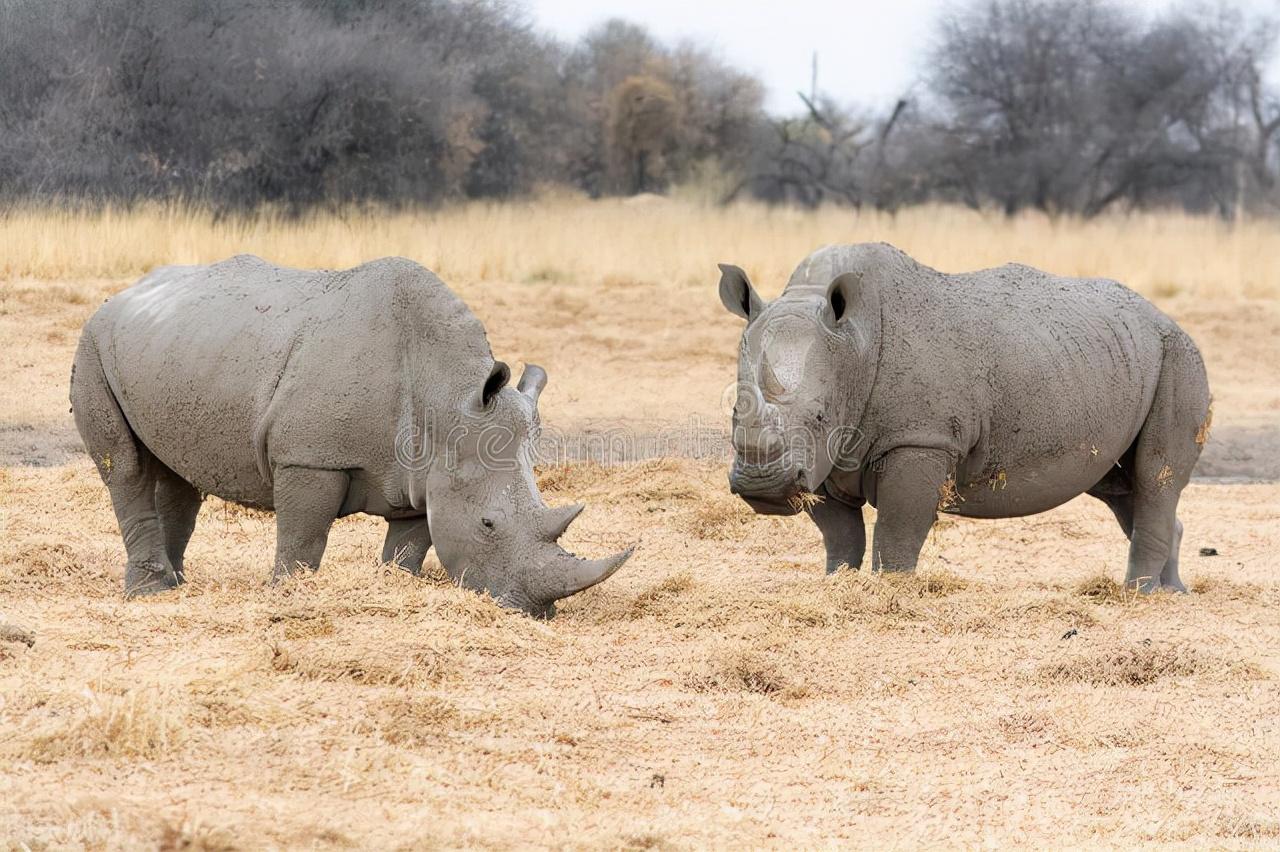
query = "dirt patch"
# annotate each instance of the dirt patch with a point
(28, 445)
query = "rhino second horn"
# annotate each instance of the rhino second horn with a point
(532, 381)
(558, 520)
(565, 574)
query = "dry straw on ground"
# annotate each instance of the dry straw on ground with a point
(720, 691)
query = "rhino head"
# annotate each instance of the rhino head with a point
(805, 366)
(490, 527)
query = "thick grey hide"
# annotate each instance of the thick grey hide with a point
(993, 394)
(318, 395)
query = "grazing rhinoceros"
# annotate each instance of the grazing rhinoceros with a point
(993, 394)
(320, 394)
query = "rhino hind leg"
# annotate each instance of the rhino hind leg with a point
(307, 502)
(129, 471)
(177, 504)
(1162, 458)
(407, 543)
(843, 534)
(1121, 505)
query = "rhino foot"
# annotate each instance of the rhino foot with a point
(1151, 585)
(149, 578)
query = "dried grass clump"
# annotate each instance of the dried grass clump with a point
(1202, 433)
(1229, 590)
(645, 842)
(1102, 589)
(234, 698)
(43, 294)
(147, 723)
(196, 836)
(852, 587)
(385, 665)
(661, 597)
(303, 623)
(804, 500)
(738, 668)
(15, 634)
(930, 582)
(860, 593)
(1248, 827)
(1023, 726)
(1058, 609)
(570, 477)
(948, 497)
(886, 597)
(414, 720)
(46, 564)
(1142, 664)
(659, 479)
(719, 518)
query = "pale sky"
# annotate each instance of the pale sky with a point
(868, 52)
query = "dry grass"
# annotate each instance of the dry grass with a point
(720, 691)
(731, 668)
(742, 668)
(618, 245)
(1144, 663)
(146, 723)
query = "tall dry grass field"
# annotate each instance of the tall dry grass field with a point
(719, 691)
(652, 239)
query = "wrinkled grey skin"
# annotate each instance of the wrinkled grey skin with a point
(318, 395)
(993, 394)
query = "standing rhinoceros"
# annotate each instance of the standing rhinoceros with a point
(993, 394)
(320, 394)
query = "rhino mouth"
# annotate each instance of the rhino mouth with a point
(768, 490)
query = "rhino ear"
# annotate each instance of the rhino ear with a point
(854, 304)
(498, 378)
(737, 294)
(844, 296)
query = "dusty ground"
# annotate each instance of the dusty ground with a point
(718, 692)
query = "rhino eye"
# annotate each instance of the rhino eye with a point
(487, 522)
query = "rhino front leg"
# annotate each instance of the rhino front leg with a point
(908, 490)
(307, 503)
(843, 533)
(408, 541)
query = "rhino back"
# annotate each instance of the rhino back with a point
(226, 370)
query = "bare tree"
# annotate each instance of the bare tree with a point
(1066, 106)
(1075, 106)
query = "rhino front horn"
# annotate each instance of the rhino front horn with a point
(566, 574)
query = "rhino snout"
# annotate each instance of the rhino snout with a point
(768, 489)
